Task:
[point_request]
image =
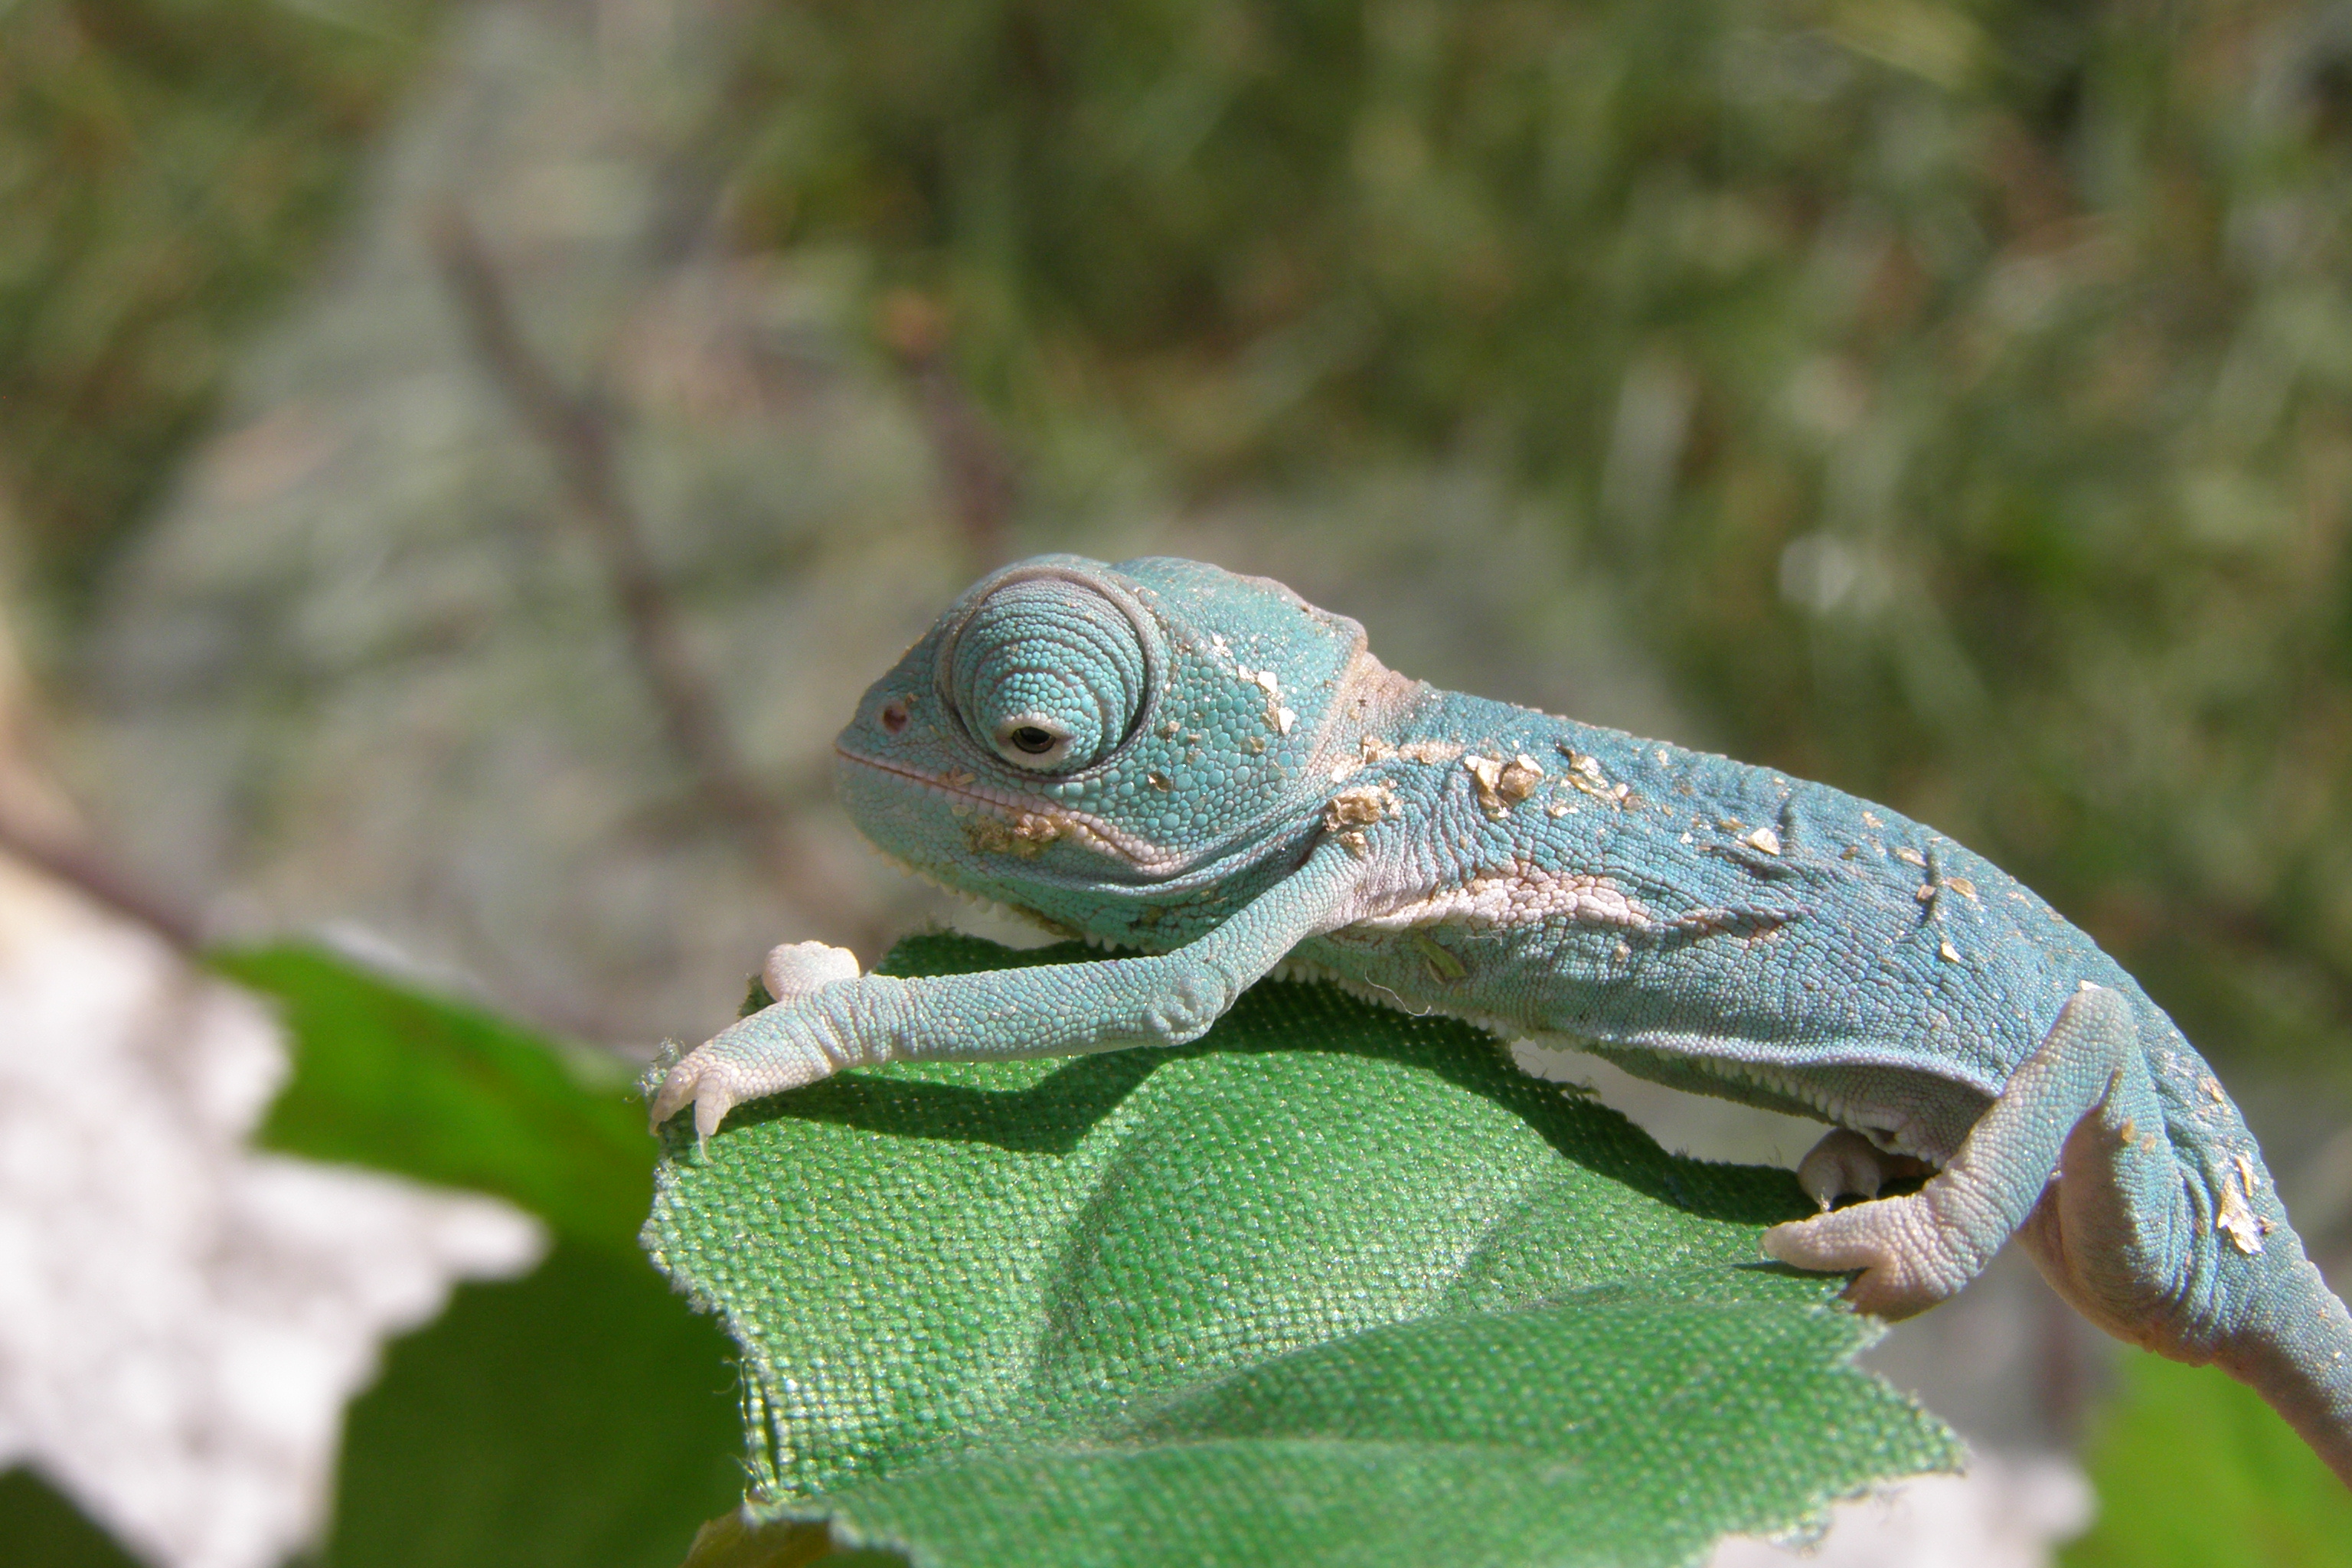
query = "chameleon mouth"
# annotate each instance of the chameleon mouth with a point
(1023, 824)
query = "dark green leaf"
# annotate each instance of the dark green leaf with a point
(388, 1078)
(40, 1529)
(581, 1415)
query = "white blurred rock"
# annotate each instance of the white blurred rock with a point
(2008, 1511)
(181, 1320)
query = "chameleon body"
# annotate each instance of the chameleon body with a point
(1165, 757)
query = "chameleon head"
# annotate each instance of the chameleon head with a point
(1068, 725)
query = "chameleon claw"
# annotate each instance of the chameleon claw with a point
(703, 1081)
(712, 1100)
(677, 1089)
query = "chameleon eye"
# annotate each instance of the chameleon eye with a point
(1048, 674)
(1033, 741)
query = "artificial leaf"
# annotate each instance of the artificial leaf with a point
(1331, 1284)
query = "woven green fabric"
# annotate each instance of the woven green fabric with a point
(1333, 1285)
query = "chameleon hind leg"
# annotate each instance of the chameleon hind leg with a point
(2181, 1247)
(1916, 1250)
(2198, 1263)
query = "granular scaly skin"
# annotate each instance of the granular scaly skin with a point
(1165, 757)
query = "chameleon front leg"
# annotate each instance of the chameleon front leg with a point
(1068, 1009)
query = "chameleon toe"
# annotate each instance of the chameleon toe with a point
(677, 1089)
(1843, 1164)
(1907, 1265)
(712, 1100)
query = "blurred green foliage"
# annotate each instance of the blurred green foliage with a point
(1958, 391)
(42, 1529)
(167, 169)
(584, 1414)
(580, 1414)
(388, 1078)
(2195, 1471)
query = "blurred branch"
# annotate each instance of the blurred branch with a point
(580, 443)
(72, 860)
(980, 479)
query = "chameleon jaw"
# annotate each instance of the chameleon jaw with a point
(1030, 821)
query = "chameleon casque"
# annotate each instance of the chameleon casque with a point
(1166, 757)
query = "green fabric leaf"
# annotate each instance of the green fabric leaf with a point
(2193, 1470)
(1333, 1285)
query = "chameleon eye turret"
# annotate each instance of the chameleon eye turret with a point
(1048, 673)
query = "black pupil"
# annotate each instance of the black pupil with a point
(1032, 740)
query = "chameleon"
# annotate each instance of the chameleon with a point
(1217, 779)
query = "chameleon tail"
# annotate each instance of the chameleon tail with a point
(2293, 1347)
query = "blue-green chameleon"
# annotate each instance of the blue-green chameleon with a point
(1205, 768)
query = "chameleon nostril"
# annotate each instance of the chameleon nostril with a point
(893, 716)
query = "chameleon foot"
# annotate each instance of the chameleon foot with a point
(738, 1064)
(1914, 1251)
(1843, 1164)
(775, 1049)
(1846, 1165)
(1910, 1258)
